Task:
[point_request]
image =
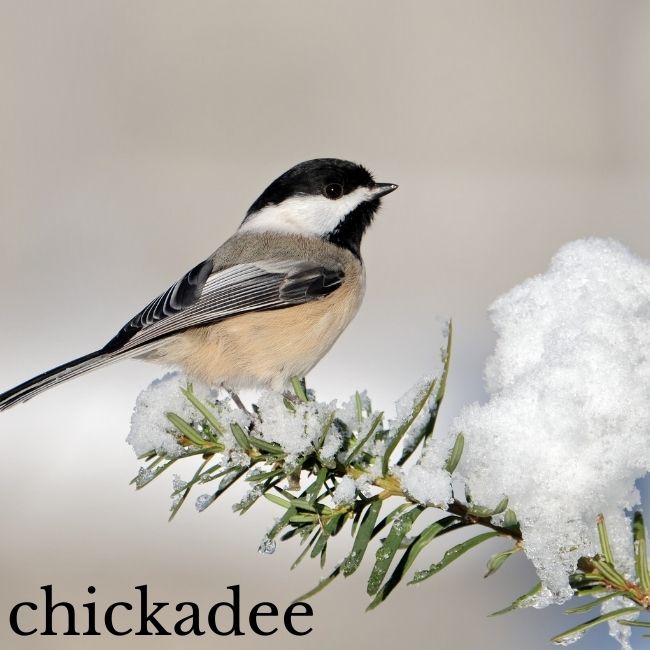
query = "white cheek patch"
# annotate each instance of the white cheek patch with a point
(305, 215)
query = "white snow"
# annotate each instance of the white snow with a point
(564, 434)
(427, 482)
(297, 431)
(345, 491)
(332, 443)
(150, 428)
(348, 412)
(405, 407)
(621, 633)
(152, 431)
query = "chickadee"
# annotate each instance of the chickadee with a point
(267, 304)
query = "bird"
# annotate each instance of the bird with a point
(269, 303)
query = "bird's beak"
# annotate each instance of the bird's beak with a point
(381, 189)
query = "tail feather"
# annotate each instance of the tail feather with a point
(58, 375)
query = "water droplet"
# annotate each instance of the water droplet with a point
(178, 484)
(144, 476)
(204, 501)
(568, 640)
(267, 547)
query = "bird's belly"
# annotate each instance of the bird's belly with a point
(262, 348)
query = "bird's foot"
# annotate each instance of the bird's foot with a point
(293, 481)
(290, 397)
(237, 400)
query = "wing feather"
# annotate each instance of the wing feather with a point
(202, 297)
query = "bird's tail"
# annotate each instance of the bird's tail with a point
(57, 375)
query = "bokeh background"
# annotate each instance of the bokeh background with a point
(133, 137)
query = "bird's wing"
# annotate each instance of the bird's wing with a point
(202, 296)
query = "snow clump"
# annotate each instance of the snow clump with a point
(564, 434)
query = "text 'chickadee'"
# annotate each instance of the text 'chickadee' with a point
(267, 304)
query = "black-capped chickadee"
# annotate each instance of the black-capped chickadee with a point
(267, 304)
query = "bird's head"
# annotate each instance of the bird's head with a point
(327, 198)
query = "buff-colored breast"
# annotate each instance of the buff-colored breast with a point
(268, 347)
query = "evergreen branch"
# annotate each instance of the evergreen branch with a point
(351, 467)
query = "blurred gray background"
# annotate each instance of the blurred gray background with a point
(133, 137)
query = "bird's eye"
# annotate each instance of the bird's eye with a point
(333, 191)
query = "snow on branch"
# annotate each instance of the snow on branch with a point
(548, 463)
